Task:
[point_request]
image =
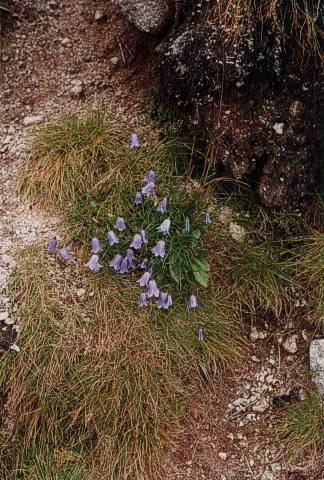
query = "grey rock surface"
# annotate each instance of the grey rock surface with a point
(316, 360)
(150, 16)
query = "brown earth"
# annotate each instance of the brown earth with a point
(53, 47)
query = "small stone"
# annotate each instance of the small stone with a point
(4, 149)
(91, 294)
(66, 41)
(3, 316)
(16, 328)
(31, 120)
(76, 91)
(275, 467)
(290, 344)
(237, 231)
(76, 82)
(255, 359)
(15, 348)
(230, 436)
(80, 292)
(11, 130)
(261, 406)
(278, 128)
(301, 395)
(267, 476)
(241, 424)
(222, 455)
(251, 463)
(251, 417)
(114, 60)
(254, 335)
(5, 58)
(9, 321)
(99, 15)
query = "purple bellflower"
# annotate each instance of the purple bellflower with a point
(200, 335)
(120, 224)
(152, 289)
(94, 264)
(124, 266)
(207, 218)
(159, 249)
(138, 198)
(143, 265)
(130, 258)
(112, 238)
(116, 262)
(143, 236)
(96, 247)
(187, 225)
(51, 245)
(150, 176)
(193, 301)
(137, 241)
(164, 300)
(148, 189)
(135, 141)
(65, 255)
(162, 207)
(151, 266)
(144, 280)
(143, 300)
(164, 227)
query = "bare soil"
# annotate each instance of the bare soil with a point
(50, 48)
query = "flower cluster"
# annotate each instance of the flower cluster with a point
(51, 246)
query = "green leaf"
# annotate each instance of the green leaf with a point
(93, 204)
(175, 273)
(201, 277)
(196, 234)
(199, 263)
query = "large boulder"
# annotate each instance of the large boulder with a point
(151, 16)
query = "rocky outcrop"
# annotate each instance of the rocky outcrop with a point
(150, 16)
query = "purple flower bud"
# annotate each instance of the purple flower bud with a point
(207, 218)
(51, 245)
(159, 249)
(162, 207)
(130, 258)
(150, 176)
(112, 238)
(94, 264)
(143, 236)
(137, 241)
(138, 198)
(200, 335)
(151, 266)
(164, 300)
(143, 300)
(120, 224)
(164, 227)
(193, 301)
(143, 264)
(134, 141)
(65, 255)
(152, 289)
(148, 189)
(187, 225)
(124, 266)
(144, 280)
(96, 247)
(116, 262)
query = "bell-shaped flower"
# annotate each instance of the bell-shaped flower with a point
(187, 225)
(144, 280)
(112, 238)
(207, 218)
(143, 300)
(168, 302)
(120, 224)
(116, 262)
(138, 198)
(96, 247)
(51, 245)
(65, 255)
(143, 236)
(124, 266)
(143, 265)
(152, 289)
(200, 334)
(148, 189)
(159, 249)
(130, 258)
(94, 264)
(135, 141)
(137, 241)
(164, 300)
(165, 226)
(151, 266)
(162, 207)
(150, 176)
(193, 301)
